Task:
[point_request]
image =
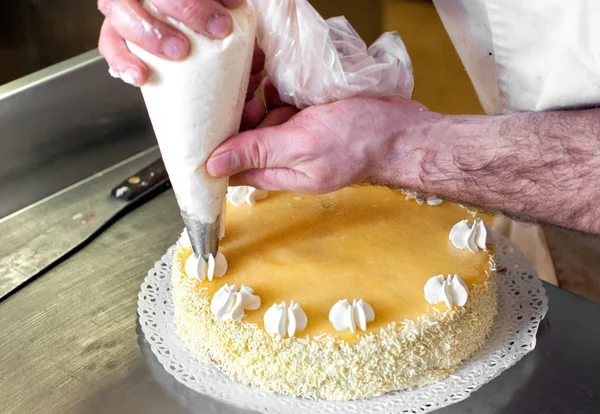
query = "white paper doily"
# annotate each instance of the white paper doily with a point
(522, 304)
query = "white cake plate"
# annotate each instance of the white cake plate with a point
(522, 304)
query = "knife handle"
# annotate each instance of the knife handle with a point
(143, 182)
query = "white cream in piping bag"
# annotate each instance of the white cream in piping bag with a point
(195, 105)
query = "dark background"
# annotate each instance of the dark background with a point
(38, 33)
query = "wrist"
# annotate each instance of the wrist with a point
(410, 142)
(440, 154)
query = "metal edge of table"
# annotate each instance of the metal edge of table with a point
(63, 124)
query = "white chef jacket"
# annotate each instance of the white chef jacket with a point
(528, 55)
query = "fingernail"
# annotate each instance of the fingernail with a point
(131, 76)
(173, 48)
(222, 165)
(219, 26)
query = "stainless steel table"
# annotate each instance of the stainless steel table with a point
(70, 341)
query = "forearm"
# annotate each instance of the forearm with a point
(540, 167)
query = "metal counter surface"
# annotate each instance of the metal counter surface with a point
(63, 124)
(71, 343)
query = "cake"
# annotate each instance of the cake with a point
(342, 296)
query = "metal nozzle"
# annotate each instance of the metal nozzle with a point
(203, 236)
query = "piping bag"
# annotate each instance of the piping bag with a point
(194, 106)
(197, 104)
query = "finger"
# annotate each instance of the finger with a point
(208, 17)
(259, 148)
(122, 62)
(278, 116)
(254, 83)
(258, 59)
(272, 179)
(136, 25)
(256, 73)
(272, 98)
(254, 112)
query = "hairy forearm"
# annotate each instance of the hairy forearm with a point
(539, 167)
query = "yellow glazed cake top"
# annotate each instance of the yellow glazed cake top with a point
(363, 242)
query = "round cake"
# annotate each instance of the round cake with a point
(341, 296)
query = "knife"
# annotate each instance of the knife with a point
(39, 237)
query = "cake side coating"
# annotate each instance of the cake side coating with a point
(405, 354)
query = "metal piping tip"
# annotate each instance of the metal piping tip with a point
(203, 236)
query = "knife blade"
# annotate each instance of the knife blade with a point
(48, 232)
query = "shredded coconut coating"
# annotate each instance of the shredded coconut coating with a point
(406, 354)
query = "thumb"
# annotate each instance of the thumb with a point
(264, 147)
(274, 179)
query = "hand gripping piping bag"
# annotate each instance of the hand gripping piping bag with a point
(196, 104)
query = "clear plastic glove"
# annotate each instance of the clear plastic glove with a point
(313, 61)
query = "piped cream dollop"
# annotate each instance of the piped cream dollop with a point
(421, 199)
(199, 269)
(452, 290)
(245, 194)
(229, 303)
(466, 236)
(344, 315)
(280, 319)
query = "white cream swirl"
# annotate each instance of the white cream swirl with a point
(421, 199)
(229, 304)
(245, 194)
(465, 236)
(344, 316)
(450, 291)
(199, 269)
(280, 320)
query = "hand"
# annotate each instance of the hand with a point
(318, 150)
(128, 20)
